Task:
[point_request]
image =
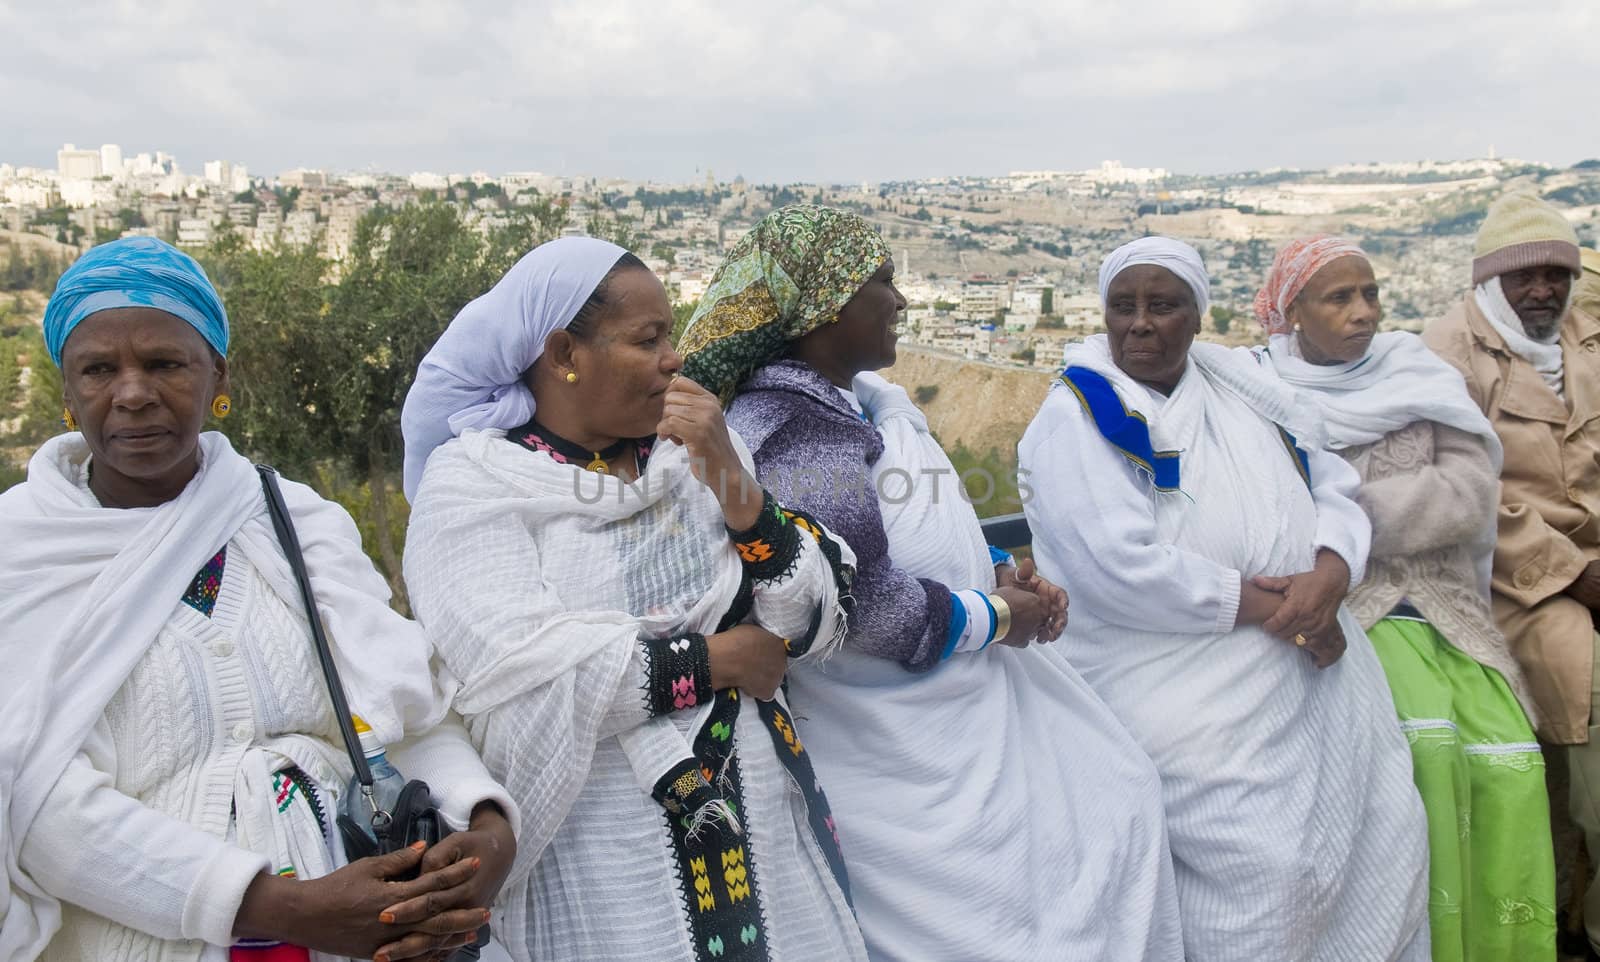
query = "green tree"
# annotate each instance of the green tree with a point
(1221, 318)
(321, 369)
(990, 479)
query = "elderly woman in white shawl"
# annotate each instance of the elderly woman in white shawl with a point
(1430, 467)
(620, 600)
(169, 755)
(1182, 497)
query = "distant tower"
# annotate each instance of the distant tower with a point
(711, 182)
(1491, 152)
(111, 159)
(905, 263)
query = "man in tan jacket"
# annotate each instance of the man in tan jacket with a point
(1532, 363)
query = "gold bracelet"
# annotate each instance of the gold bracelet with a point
(1002, 617)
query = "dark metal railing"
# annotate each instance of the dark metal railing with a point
(1007, 531)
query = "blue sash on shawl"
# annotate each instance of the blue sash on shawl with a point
(1126, 430)
(1129, 433)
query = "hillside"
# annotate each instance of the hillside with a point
(977, 404)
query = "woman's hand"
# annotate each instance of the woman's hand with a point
(488, 840)
(1028, 615)
(748, 657)
(1309, 613)
(692, 416)
(1026, 577)
(344, 912)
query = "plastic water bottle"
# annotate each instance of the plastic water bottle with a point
(386, 781)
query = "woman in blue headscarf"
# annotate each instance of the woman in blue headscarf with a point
(169, 757)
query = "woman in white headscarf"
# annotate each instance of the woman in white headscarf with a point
(594, 561)
(1430, 468)
(1182, 496)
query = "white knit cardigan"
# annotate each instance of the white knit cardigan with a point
(134, 838)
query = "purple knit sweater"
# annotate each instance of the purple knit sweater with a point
(815, 454)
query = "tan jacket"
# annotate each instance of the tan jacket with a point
(1549, 503)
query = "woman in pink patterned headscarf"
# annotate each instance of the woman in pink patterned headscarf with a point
(1429, 464)
(1295, 265)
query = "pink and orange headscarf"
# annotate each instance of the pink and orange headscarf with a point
(1292, 269)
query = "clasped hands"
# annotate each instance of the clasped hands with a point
(1038, 606)
(362, 912)
(1302, 609)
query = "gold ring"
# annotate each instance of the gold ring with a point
(1300, 640)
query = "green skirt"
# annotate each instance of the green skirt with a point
(1481, 776)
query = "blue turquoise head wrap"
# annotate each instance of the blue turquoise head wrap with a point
(135, 272)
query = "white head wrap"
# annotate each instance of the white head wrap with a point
(472, 378)
(1174, 255)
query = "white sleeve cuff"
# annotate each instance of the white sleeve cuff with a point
(979, 630)
(218, 891)
(1228, 610)
(445, 759)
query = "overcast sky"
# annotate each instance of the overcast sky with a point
(843, 90)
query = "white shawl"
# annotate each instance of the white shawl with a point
(84, 591)
(1545, 356)
(1398, 382)
(479, 498)
(1234, 369)
(932, 531)
(1028, 826)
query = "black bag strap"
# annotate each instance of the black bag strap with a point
(284, 525)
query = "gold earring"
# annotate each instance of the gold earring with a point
(221, 406)
(69, 420)
(572, 377)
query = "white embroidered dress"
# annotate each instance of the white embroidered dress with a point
(538, 582)
(1297, 833)
(991, 808)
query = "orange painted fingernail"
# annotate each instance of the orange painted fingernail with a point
(381, 957)
(476, 862)
(387, 918)
(485, 916)
(418, 846)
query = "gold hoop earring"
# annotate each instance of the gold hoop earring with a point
(67, 419)
(221, 406)
(572, 377)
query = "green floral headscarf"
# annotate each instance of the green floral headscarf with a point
(790, 275)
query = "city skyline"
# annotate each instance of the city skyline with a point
(865, 91)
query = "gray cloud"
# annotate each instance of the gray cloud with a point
(839, 90)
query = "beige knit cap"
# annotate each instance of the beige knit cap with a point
(1523, 231)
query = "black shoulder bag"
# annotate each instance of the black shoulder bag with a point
(415, 818)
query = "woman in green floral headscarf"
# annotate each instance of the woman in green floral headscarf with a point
(961, 737)
(787, 277)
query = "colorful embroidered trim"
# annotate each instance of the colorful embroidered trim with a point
(202, 592)
(716, 875)
(678, 673)
(536, 437)
(1125, 430)
(844, 576)
(770, 547)
(308, 791)
(787, 742)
